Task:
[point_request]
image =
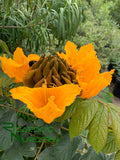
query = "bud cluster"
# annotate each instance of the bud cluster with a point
(52, 69)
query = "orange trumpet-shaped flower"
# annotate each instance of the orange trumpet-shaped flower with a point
(47, 103)
(87, 67)
(19, 65)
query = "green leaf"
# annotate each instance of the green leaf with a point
(39, 122)
(110, 145)
(117, 155)
(62, 24)
(77, 156)
(91, 155)
(2, 81)
(5, 136)
(20, 149)
(47, 154)
(1, 91)
(4, 46)
(9, 4)
(69, 110)
(98, 130)
(27, 149)
(10, 81)
(21, 122)
(106, 95)
(37, 20)
(2, 111)
(51, 134)
(65, 149)
(115, 120)
(83, 116)
(12, 154)
(114, 107)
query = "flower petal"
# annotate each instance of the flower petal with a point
(88, 69)
(13, 69)
(19, 56)
(19, 66)
(86, 50)
(49, 111)
(96, 85)
(47, 103)
(33, 57)
(78, 59)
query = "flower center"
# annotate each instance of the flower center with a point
(51, 69)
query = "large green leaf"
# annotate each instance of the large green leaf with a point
(12, 154)
(91, 155)
(69, 110)
(77, 156)
(27, 149)
(114, 107)
(5, 136)
(20, 149)
(47, 154)
(83, 116)
(50, 134)
(65, 149)
(117, 155)
(110, 145)
(115, 120)
(106, 95)
(99, 128)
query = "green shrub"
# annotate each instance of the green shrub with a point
(115, 11)
(100, 30)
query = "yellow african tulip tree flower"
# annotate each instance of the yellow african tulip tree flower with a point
(19, 65)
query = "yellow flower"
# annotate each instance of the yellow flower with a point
(47, 103)
(49, 88)
(19, 65)
(53, 82)
(87, 67)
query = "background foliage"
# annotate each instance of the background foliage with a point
(33, 24)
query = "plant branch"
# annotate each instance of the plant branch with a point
(41, 146)
(22, 26)
(17, 110)
(26, 26)
(66, 129)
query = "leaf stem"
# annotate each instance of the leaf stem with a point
(17, 110)
(66, 129)
(103, 103)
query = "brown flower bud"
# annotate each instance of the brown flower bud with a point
(51, 69)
